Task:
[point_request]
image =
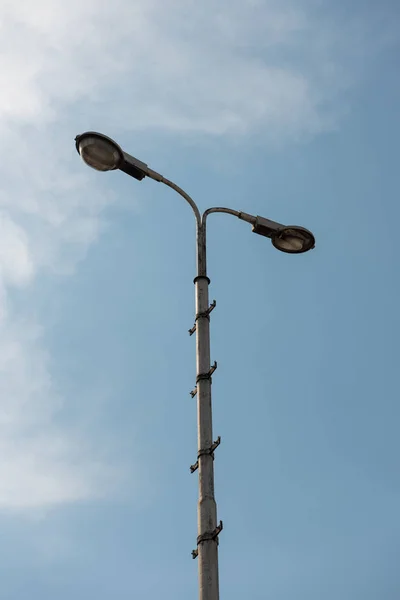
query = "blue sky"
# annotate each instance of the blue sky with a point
(284, 109)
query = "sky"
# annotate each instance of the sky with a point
(286, 109)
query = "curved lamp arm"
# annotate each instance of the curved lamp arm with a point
(229, 211)
(184, 195)
(201, 255)
(220, 209)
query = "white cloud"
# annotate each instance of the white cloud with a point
(16, 265)
(41, 463)
(180, 66)
(171, 64)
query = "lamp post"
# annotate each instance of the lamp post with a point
(103, 154)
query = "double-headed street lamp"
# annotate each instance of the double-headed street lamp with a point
(103, 154)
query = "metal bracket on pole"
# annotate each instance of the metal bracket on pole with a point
(209, 535)
(204, 314)
(205, 451)
(212, 370)
(204, 376)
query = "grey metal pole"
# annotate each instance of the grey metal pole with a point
(207, 541)
(207, 528)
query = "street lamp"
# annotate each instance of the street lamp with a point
(103, 154)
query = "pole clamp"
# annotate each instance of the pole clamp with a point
(204, 452)
(203, 376)
(203, 314)
(207, 536)
(196, 279)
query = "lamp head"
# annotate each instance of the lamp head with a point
(294, 240)
(99, 151)
(103, 154)
(291, 239)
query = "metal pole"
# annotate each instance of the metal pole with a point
(207, 528)
(207, 541)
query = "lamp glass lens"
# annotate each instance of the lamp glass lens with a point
(294, 240)
(99, 154)
(290, 243)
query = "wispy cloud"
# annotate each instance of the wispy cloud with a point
(178, 66)
(175, 65)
